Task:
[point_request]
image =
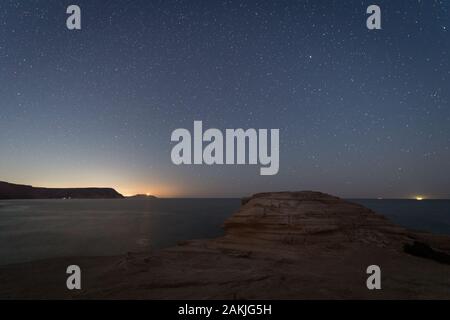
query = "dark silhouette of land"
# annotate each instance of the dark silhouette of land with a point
(142, 196)
(18, 191)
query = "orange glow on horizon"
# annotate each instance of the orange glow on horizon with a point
(126, 189)
(160, 191)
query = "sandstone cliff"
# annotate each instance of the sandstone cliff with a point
(290, 218)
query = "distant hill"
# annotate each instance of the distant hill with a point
(142, 196)
(18, 191)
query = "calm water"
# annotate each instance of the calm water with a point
(37, 229)
(426, 215)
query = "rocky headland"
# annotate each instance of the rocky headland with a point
(286, 245)
(142, 196)
(19, 191)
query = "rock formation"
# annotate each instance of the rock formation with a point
(308, 218)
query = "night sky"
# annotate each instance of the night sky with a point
(361, 113)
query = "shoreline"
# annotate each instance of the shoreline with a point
(299, 245)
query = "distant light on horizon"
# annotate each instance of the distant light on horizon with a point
(419, 198)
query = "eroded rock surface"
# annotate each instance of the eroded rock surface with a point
(308, 218)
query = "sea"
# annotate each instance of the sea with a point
(39, 229)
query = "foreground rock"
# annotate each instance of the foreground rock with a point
(289, 245)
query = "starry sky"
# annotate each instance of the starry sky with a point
(362, 113)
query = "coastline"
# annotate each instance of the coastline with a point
(301, 245)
